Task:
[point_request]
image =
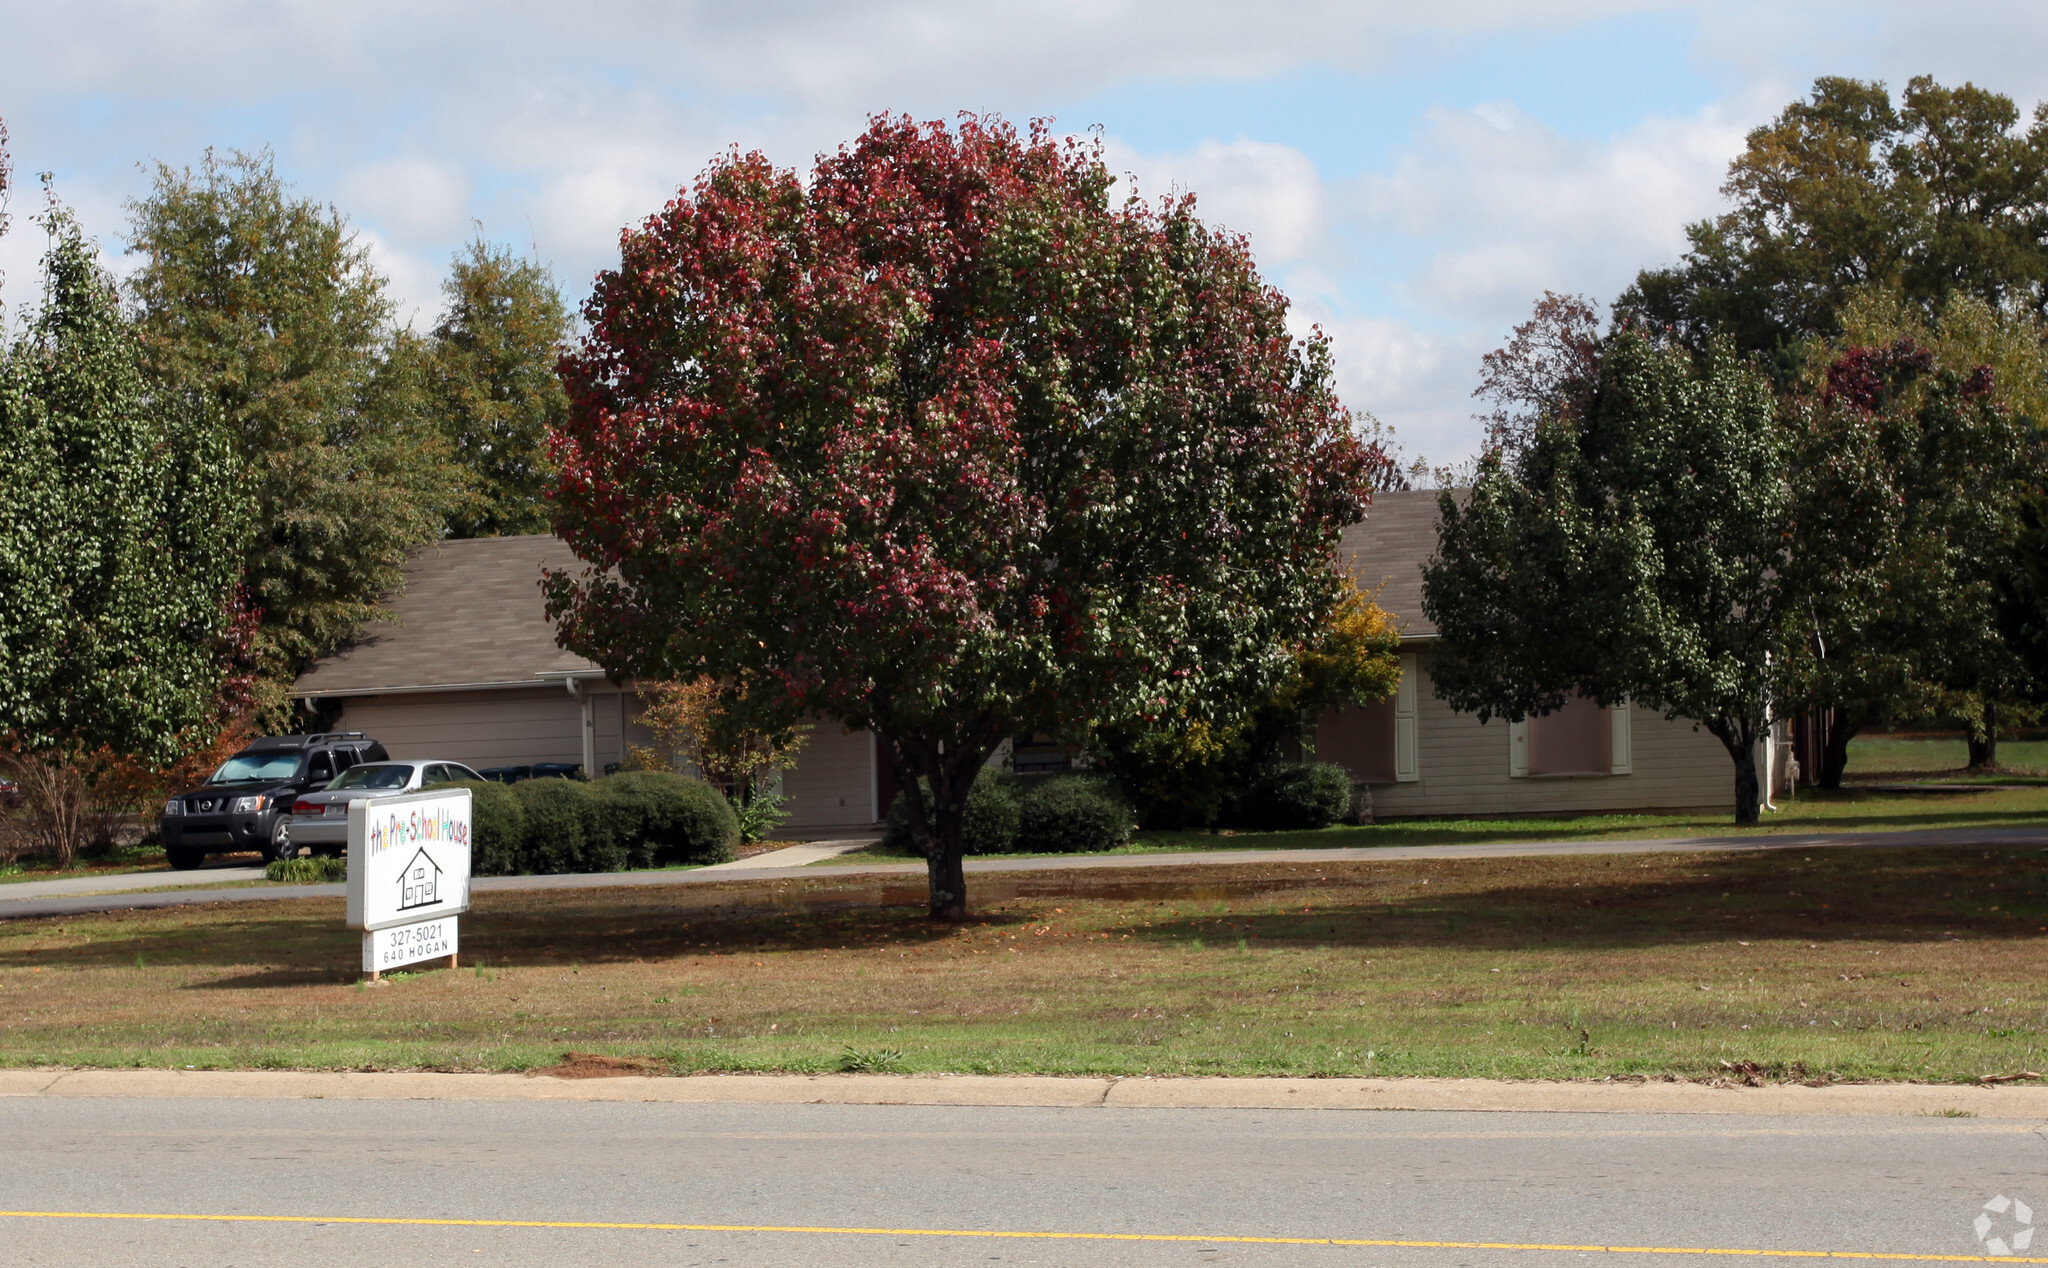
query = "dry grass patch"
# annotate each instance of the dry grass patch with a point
(1922, 963)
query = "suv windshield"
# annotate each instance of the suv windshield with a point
(244, 767)
(373, 777)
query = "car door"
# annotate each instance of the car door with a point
(320, 770)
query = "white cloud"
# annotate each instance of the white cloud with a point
(409, 198)
(1519, 210)
(556, 125)
(1269, 192)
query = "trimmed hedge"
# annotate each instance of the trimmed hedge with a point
(991, 826)
(635, 819)
(674, 819)
(497, 823)
(1072, 814)
(1290, 796)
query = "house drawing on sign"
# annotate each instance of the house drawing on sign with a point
(420, 883)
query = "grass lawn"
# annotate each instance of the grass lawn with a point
(1883, 755)
(1917, 963)
(1848, 810)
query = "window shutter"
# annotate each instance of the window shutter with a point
(1407, 739)
(1624, 760)
(1518, 749)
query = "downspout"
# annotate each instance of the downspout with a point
(589, 709)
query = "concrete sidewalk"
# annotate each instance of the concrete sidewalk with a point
(1866, 1100)
(793, 856)
(752, 869)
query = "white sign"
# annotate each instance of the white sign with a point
(408, 859)
(385, 949)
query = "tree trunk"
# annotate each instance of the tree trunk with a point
(947, 873)
(1740, 741)
(1984, 749)
(939, 781)
(1747, 803)
(1834, 758)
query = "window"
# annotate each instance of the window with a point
(1580, 738)
(321, 769)
(1376, 743)
(375, 777)
(244, 768)
(1361, 740)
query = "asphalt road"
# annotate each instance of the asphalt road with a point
(1547, 1189)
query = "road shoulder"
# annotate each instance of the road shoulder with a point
(1864, 1100)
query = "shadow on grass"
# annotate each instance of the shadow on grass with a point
(1890, 818)
(1607, 902)
(1893, 895)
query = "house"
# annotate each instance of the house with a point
(1419, 757)
(419, 885)
(467, 668)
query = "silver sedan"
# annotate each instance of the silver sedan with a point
(320, 819)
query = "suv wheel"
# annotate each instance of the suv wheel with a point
(281, 844)
(183, 858)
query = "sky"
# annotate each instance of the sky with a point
(1414, 176)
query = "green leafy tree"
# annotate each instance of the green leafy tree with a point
(1917, 449)
(1188, 771)
(122, 516)
(1633, 547)
(495, 388)
(268, 304)
(942, 444)
(1938, 194)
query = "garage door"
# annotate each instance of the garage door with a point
(833, 785)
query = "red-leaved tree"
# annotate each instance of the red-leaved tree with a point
(947, 445)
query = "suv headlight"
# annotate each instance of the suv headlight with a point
(173, 807)
(248, 805)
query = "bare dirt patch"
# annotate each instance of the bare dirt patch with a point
(596, 1065)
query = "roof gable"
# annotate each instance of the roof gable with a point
(1387, 552)
(471, 615)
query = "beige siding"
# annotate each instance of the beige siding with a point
(1462, 769)
(480, 728)
(833, 785)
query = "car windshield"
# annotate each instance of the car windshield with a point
(373, 777)
(245, 767)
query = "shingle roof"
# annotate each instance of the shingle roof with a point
(471, 615)
(1389, 549)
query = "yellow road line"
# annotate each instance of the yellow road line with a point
(1757, 1253)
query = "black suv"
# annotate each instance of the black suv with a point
(247, 803)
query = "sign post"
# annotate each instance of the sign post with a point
(408, 876)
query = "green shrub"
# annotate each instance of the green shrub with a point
(497, 825)
(668, 818)
(556, 812)
(1290, 796)
(308, 871)
(991, 822)
(1072, 814)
